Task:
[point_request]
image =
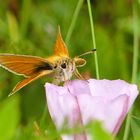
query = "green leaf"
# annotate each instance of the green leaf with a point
(97, 132)
(25, 16)
(135, 127)
(13, 28)
(9, 118)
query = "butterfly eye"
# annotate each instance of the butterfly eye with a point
(63, 65)
(55, 66)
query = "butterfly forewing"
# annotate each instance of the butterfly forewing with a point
(24, 65)
(60, 48)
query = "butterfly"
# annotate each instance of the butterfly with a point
(59, 65)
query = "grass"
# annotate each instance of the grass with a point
(93, 38)
(29, 27)
(134, 66)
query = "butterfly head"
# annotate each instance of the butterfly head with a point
(64, 69)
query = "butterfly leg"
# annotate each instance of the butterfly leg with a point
(78, 75)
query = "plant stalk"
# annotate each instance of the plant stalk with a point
(93, 38)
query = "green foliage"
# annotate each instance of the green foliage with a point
(135, 126)
(30, 27)
(98, 133)
(9, 118)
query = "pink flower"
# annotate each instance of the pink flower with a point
(82, 101)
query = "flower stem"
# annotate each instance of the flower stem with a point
(74, 18)
(93, 38)
(134, 67)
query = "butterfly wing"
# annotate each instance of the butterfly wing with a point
(24, 65)
(26, 81)
(60, 48)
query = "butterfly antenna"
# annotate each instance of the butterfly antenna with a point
(89, 52)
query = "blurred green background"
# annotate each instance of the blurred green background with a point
(30, 27)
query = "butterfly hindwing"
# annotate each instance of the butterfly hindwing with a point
(26, 81)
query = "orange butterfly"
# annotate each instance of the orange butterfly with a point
(60, 65)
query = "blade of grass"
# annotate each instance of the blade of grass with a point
(74, 18)
(93, 38)
(25, 16)
(136, 45)
(134, 67)
(13, 28)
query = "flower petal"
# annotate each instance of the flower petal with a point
(77, 87)
(63, 106)
(110, 89)
(111, 113)
(82, 101)
(117, 114)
